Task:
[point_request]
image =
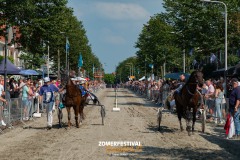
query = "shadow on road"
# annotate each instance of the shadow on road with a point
(55, 126)
(231, 146)
(150, 153)
(163, 129)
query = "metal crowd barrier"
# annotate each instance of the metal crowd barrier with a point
(13, 111)
(159, 96)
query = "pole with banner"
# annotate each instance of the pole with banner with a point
(93, 71)
(80, 64)
(67, 52)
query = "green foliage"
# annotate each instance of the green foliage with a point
(9, 58)
(126, 67)
(188, 24)
(156, 46)
(42, 24)
(109, 78)
(233, 60)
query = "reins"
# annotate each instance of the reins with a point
(189, 91)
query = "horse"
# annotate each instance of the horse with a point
(188, 99)
(73, 98)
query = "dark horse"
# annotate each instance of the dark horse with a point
(187, 100)
(73, 98)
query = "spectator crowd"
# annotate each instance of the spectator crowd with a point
(28, 91)
(213, 92)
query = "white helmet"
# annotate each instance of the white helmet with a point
(46, 79)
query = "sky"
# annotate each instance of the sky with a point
(113, 26)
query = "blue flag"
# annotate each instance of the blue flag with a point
(67, 45)
(191, 51)
(151, 65)
(80, 61)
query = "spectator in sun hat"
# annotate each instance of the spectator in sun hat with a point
(234, 102)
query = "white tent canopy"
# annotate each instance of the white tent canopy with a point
(78, 79)
(143, 78)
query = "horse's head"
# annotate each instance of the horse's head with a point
(197, 77)
(71, 89)
(64, 78)
(70, 82)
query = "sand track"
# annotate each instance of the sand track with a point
(136, 121)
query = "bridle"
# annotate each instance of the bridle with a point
(194, 83)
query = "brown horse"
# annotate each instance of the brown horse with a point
(73, 98)
(187, 100)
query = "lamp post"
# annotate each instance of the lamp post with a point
(130, 72)
(131, 68)
(48, 60)
(225, 7)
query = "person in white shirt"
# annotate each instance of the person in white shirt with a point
(2, 100)
(210, 97)
(204, 88)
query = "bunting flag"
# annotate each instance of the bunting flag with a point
(80, 61)
(213, 58)
(67, 45)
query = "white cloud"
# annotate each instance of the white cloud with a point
(112, 38)
(121, 11)
(115, 39)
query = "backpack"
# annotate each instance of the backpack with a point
(47, 96)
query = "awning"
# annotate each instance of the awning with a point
(143, 78)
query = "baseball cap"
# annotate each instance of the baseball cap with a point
(46, 79)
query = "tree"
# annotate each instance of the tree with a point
(109, 78)
(41, 24)
(155, 44)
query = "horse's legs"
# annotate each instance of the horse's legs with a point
(194, 119)
(81, 114)
(180, 122)
(76, 111)
(188, 118)
(60, 116)
(69, 116)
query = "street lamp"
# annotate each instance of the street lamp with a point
(225, 7)
(48, 60)
(131, 68)
(130, 72)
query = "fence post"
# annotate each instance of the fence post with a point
(116, 108)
